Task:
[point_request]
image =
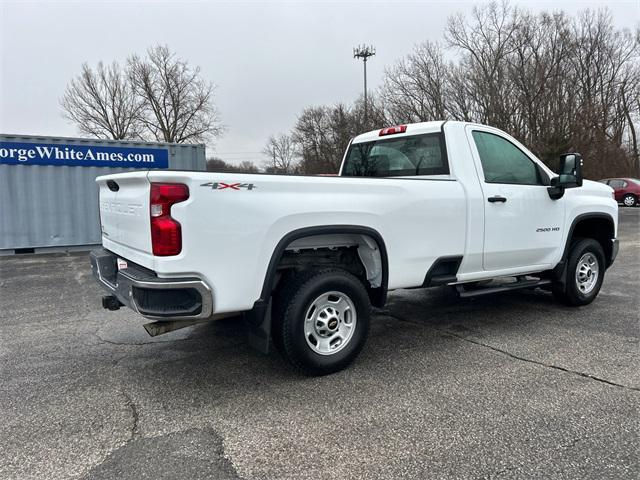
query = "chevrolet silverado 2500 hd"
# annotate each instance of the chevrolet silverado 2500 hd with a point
(305, 257)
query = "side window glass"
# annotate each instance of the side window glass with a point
(503, 162)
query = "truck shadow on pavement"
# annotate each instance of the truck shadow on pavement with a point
(220, 351)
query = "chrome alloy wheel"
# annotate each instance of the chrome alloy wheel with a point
(330, 322)
(629, 201)
(587, 272)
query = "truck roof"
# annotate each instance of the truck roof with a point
(412, 129)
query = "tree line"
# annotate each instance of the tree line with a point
(556, 82)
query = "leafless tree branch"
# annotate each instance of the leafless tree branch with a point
(102, 103)
(177, 103)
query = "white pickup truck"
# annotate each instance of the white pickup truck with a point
(305, 257)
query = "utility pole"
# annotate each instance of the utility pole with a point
(364, 52)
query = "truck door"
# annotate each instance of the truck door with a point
(523, 226)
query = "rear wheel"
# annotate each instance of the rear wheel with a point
(321, 320)
(585, 273)
(629, 200)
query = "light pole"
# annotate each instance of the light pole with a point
(364, 52)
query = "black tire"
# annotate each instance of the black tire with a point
(629, 200)
(570, 293)
(291, 305)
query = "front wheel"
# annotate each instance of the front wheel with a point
(321, 320)
(585, 273)
(629, 200)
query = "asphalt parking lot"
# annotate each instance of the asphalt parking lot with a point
(510, 386)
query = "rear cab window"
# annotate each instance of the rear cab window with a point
(414, 155)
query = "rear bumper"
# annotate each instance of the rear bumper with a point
(156, 298)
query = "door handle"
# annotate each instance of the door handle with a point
(497, 198)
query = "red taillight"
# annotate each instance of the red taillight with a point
(166, 234)
(392, 130)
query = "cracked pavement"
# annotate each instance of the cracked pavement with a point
(508, 386)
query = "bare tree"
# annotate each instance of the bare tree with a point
(605, 62)
(486, 41)
(555, 82)
(102, 103)
(414, 88)
(543, 99)
(323, 133)
(558, 83)
(630, 105)
(282, 153)
(178, 102)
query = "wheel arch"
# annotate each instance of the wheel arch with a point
(599, 226)
(258, 319)
(379, 296)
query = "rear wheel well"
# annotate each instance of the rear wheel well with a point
(356, 253)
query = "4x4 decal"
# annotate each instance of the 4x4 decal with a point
(231, 186)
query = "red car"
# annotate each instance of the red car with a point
(625, 190)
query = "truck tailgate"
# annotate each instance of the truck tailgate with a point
(124, 211)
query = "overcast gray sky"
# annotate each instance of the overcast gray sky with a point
(268, 59)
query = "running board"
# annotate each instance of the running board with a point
(501, 288)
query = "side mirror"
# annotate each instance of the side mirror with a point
(569, 175)
(570, 170)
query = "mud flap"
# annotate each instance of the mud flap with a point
(258, 323)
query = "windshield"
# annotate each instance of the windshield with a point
(399, 157)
